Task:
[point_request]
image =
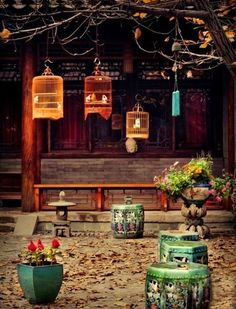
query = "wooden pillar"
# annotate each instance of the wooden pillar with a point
(231, 123)
(99, 198)
(231, 138)
(28, 161)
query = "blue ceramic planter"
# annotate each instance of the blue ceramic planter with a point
(40, 284)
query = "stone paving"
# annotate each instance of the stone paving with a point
(103, 272)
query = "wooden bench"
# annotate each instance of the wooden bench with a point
(10, 186)
(99, 191)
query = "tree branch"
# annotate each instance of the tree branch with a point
(223, 45)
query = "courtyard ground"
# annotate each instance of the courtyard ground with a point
(103, 272)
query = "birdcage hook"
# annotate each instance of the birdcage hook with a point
(47, 70)
(138, 97)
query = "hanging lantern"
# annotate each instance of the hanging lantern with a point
(98, 93)
(137, 123)
(47, 95)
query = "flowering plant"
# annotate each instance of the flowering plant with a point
(37, 254)
(176, 178)
(222, 187)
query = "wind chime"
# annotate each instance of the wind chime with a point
(176, 98)
(47, 95)
(98, 93)
(137, 122)
(175, 94)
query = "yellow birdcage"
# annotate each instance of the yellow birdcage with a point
(137, 123)
(47, 96)
(98, 94)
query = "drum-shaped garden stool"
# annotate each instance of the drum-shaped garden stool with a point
(184, 251)
(177, 285)
(176, 235)
(127, 220)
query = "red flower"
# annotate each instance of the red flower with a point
(55, 243)
(31, 246)
(40, 245)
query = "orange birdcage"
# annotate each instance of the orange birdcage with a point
(47, 95)
(137, 123)
(98, 93)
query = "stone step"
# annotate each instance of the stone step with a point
(7, 227)
(222, 228)
(218, 221)
(7, 219)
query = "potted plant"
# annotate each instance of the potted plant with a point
(194, 182)
(39, 274)
(176, 179)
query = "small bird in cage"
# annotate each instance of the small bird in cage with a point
(104, 98)
(36, 99)
(137, 123)
(88, 98)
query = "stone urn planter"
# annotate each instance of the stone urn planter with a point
(194, 209)
(194, 183)
(40, 284)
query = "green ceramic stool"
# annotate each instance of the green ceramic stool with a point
(127, 220)
(177, 285)
(184, 251)
(176, 235)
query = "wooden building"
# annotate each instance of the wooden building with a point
(88, 157)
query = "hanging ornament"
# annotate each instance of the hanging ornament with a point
(137, 123)
(176, 47)
(98, 93)
(175, 103)
(131, 145)
(47, 95)
(175, 99)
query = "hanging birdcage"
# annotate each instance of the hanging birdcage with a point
(137, 123)
(47, 95)
(98, 93)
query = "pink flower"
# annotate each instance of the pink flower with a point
(31, 246)
(55, 243)
(228, 184)
(212, 191)
(218, 198)
(165, 180)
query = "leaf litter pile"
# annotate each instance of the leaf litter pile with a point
(103, 272)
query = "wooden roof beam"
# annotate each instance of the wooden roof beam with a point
(151, 9)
